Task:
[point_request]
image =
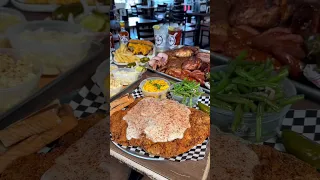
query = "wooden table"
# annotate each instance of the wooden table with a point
(163, 170)
(198, 16)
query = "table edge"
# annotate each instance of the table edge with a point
(130, 163)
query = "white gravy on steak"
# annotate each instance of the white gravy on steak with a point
(160, 120)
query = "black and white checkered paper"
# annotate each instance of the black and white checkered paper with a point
(88, 100)
(305, 122)
(196, 153)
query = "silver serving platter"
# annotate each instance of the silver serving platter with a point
(138, 155)
(205, 89)
(177, 79)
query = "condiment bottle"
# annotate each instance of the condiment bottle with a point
(123, 34)
(111, 42)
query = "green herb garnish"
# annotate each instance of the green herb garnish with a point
(158, 86)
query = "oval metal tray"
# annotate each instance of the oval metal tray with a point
(138, 155)
(205, 88)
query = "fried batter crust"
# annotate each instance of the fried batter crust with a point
(199, 131)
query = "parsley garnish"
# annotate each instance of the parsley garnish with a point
(158, 86)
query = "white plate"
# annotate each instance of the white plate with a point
(48, 7)
(3, 2)
(139, 56)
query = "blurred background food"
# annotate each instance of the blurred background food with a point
(9, 17)
(283, 31)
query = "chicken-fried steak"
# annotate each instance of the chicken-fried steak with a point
(199, 131)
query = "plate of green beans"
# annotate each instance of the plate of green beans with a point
(186, 92)
(251, 90)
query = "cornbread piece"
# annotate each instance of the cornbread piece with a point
(121, 103)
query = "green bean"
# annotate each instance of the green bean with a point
(265, 74)
(278, 94)
(246, 108)
(243, 63)
(220, 104)
(231, 69)
(243, 89)
(286, 101)
(269, 109)
(256, 70)
(269, 64)
(221, 74)
(280, 76)
(236, 99)
(215, 76)
(242, 56)
(255, 89)
(230, 87)
(262, 99)
(222, 84)
(237, 118)
(244, 74)
(184, 100)
(238, 79)
(186, 89)
(235, 91)
(255, 84)
(234, 106)
(259, 117)
(190, 101)
(249, 67)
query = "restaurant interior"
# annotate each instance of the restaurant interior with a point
(192, 18)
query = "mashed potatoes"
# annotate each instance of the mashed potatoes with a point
(13, 73)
